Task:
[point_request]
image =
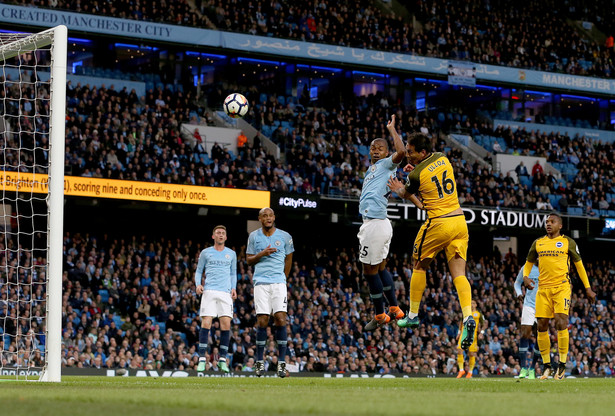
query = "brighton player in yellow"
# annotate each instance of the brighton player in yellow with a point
(553, 253)
(472, 349)
(432, 178)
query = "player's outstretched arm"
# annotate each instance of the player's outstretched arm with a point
(527, 269)
(518, 284)
(400, 149)
(591, 295)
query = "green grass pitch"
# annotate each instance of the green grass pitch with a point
(120, 396)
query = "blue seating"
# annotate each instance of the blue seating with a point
(104, 295)
(575, 210)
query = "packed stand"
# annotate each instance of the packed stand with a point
(131, 304)
(535, 36)
(113, 134)
(583, 186)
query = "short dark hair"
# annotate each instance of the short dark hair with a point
(420, 142)
(556, 214)
(386, 143)
(218, 226)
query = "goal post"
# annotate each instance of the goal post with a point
(32, 130)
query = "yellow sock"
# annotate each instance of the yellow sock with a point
(417, 287)
(544, 345)
(563, 343)
(460, 361)
(472, 363)
(464, 291)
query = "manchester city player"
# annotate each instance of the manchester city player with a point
(528, 324)
(270, 251)
(220, 266)
(376, 231)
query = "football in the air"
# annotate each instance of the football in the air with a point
(236, 105)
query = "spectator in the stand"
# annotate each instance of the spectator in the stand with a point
(521, 170)
(241, 141)
(537, 168)
(497, 148)
(543, 205)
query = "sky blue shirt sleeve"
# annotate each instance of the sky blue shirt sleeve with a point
(289, 245)
(518, 283)
(251, 239)
(200, 268)
(234, 270)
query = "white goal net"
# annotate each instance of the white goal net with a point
(32, 111)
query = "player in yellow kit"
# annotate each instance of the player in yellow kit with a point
(553, 253)
(472, 349)
(432, 178)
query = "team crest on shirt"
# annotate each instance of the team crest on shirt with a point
(227, 256)
(559, 244)
(373, 168)
(278, 243)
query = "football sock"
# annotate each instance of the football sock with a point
(375, 292)
(418, 281)
(563, 342)
(544, 345)
(464, 291)
(225, 338)
(203, 338)
(523, 347)
(460, 361)
(388, 287)
(472, 363)
(535, 357)
(261, 339)
(281, 338)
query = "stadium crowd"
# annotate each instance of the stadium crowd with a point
(131, 303)
(536, 36)
(116, 134)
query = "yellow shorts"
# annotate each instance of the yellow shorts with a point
(448, 234)
(550, 300)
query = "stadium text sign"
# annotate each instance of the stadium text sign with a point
(490, 217)
(295, 202)
(138, 191)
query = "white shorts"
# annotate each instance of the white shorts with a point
(271, 298)
(374, 240)
(215, 303)
(528, 316)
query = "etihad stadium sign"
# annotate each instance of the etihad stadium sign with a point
(476, 216)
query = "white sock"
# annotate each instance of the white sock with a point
(412, 315)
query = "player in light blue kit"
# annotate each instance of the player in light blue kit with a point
(270, 250)
(220, 266)
(376, 231)
(528, 323)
